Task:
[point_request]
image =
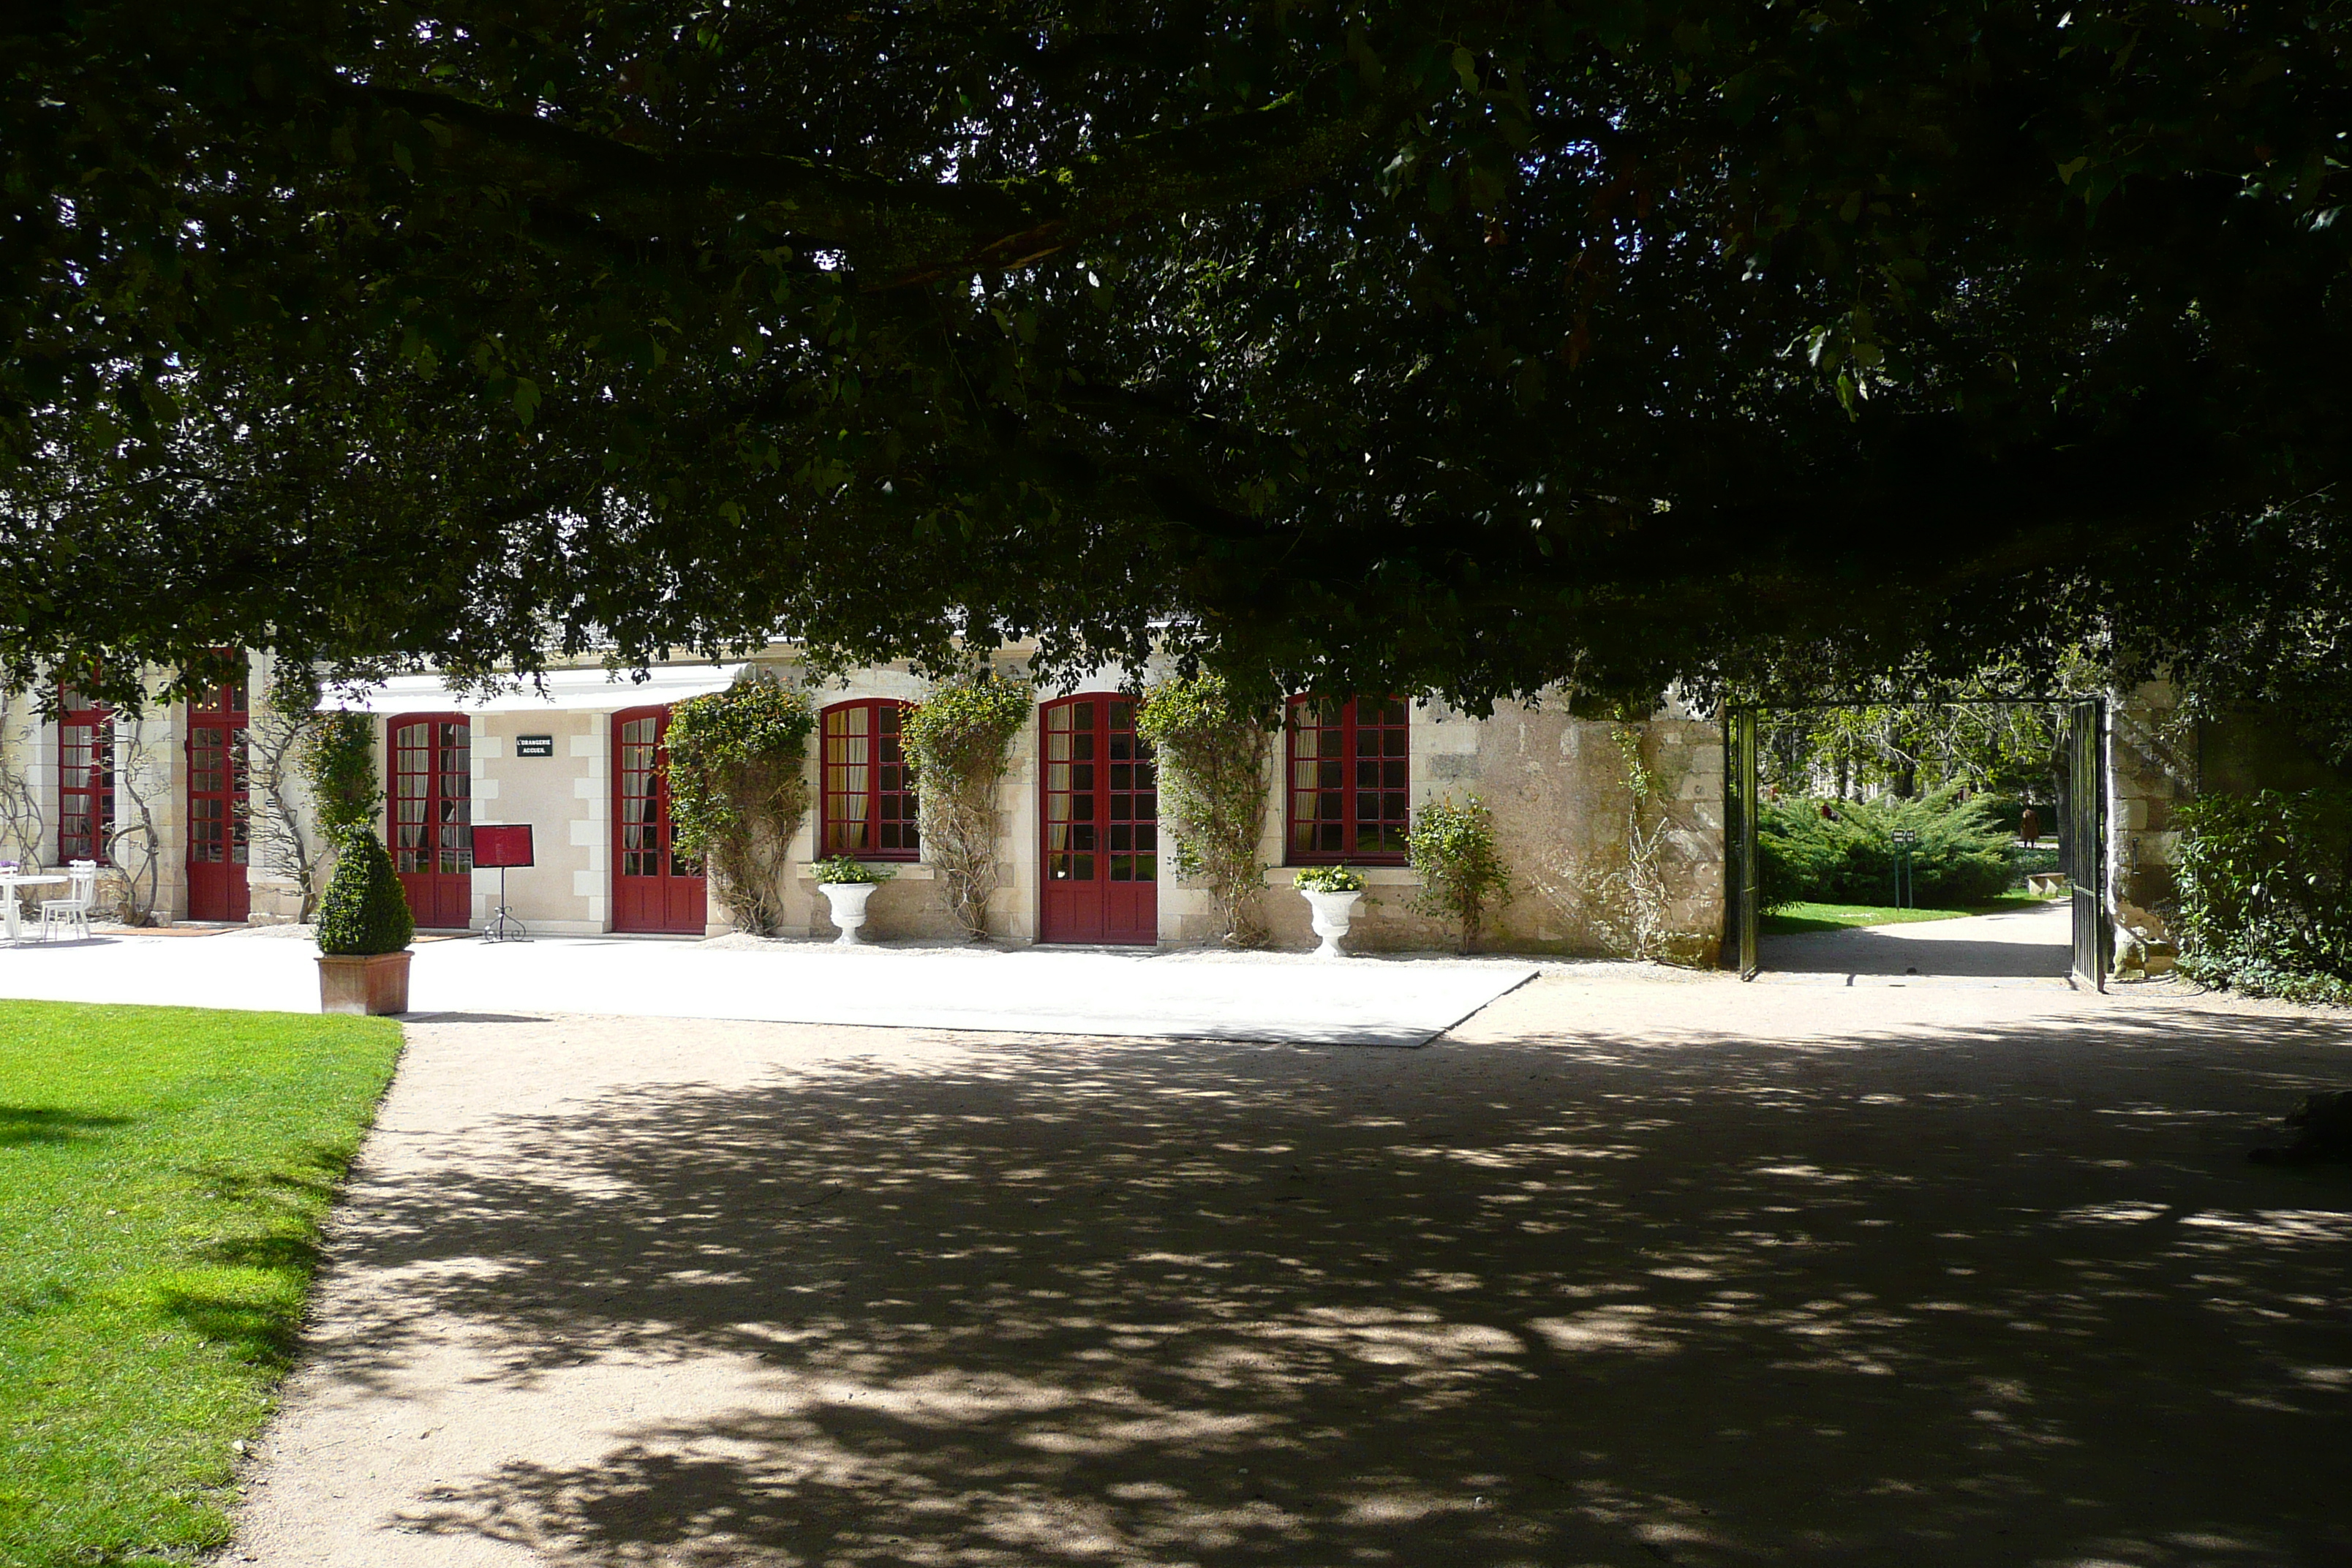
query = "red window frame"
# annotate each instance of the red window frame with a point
(1346, 781)
(85, 776)
(868, 783)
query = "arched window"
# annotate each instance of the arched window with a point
(1347, 775)
(869, 789)
(85, 777)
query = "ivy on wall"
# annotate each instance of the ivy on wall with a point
(1213, 793)
(338, 762)
(739, 788)
(960, 739)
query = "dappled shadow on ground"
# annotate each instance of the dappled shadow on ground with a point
(1953, 1296)
(47, 1124)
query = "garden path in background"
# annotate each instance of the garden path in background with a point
(1634, 1267)
(2028, 948)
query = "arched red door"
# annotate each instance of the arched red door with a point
(432, 816)
(654, 888)
(219, 837)
(1099, 802)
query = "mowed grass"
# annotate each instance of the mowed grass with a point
(1791, 918)
(163, 1172)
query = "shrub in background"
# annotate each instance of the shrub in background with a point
(1452, 844)
(739, 788)
(2266, 888)
(1961, 858)
(363, 910)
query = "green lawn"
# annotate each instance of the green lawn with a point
(163, 1172)
(1790, 918)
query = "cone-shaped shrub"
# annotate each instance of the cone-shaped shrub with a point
(364, 910)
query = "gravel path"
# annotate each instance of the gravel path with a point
(1634, 1267)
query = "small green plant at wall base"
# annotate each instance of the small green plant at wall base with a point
(841, 868)
(960, 739)
(1212, 754)
(1329, 879)
(363, 910)
(739, 788)
(1463, 877)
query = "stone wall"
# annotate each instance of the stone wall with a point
(2151, 769)
(2160, 756)
(1563, 821)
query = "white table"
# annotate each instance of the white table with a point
(9, 882)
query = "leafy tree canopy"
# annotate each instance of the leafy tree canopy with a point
(1467, 347)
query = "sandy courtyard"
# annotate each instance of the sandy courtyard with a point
(1632, 1268)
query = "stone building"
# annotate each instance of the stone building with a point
(203, 820)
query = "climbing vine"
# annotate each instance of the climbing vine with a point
(960, 739)
(1632, 913)
(338, 762)
(1213, 793)
(739, 789)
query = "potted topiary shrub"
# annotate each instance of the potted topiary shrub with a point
(363, 930)
(1331, 891)
(846, 885)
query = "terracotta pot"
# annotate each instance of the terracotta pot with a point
(363, 982)
(847, 900)
(1334, 913)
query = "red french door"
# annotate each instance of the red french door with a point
(219, 840)
(655, 888)
(432, 817)
(1099, 804)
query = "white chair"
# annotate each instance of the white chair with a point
(81, 896)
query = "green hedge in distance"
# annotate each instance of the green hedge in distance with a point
(1848, 857)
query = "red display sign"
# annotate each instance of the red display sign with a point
(501, 844)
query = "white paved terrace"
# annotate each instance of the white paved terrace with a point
(1187, 993)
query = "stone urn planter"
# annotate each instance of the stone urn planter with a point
(363, 982)
(846, 885)
(847, 903)
(1334, 914)
(1332, 894)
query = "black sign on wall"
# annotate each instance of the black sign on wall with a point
(534, 745)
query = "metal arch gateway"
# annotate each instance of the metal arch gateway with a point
(2083, 812)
